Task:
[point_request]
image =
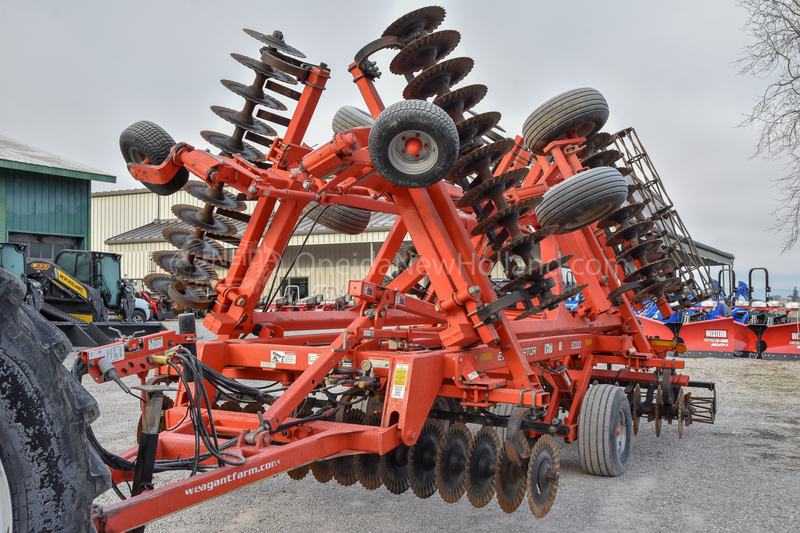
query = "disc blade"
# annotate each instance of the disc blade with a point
(481, 467)
(451, 461)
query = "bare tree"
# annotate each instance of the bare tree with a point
(775, 56)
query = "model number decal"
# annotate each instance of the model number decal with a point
(575, 345)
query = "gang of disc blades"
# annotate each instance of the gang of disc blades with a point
(451, 461)
(232, 145)
(601, 159)
(552, 301)
(394, 469)
(481, 467)
(480, 158)
(159, 284)
(218, 225)
(600, 140)
(299, 473)
(646, 271)
(434, 46)
(543, 475)
(462, 99)
(526, 242)
(424, 19)
(629, 233)
(243, 121)
(184, 239)
(176, 263)
(344, 467)
(254, 94)
(510, 214)
(535, 273)
(422, 459)
(322, 471)
(275, 42)
(477, 125)
(639, 250)
(655, 290)
(368, 464)
(215, 196)
(189, 297)
(620, 215)
(511, 481)
(265, 70)
(438, 79)
(497, 185)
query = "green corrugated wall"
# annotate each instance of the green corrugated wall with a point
(44, 204)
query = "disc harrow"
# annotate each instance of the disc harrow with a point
(384, 393)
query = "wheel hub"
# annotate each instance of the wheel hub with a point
(411, 152)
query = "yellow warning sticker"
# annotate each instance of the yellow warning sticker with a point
(588, 342)
(399, 383)
(486, 356)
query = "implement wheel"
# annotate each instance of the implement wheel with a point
(413, 144)
(349, 117)
(48, 473)
(147, 142)
(605, 431)
(340, 218)
(582, 111)
(582, 200)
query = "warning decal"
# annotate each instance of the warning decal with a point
(286, 358)
(399, 383)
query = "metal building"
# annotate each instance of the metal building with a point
(45, 199)
(131, 223)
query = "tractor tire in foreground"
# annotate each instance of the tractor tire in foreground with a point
(49, 475)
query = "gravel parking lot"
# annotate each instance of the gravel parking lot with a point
(740, 474)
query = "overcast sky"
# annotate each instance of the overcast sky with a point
(75, 74)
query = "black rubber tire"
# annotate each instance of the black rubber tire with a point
(341, 218)
(421, 117)
(583, 110)
(52, 473)
(598, 448)
(145, 138)
(582, 199)
(349, 117)
(138, 316)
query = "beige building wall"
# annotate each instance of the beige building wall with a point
(328, 259)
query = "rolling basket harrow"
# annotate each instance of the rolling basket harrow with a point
(382, 393)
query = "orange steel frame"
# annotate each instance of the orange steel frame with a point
(477, 363)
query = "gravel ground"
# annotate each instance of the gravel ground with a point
(740, 474)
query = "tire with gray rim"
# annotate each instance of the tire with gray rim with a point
(145, 140)
(340, 218)
(349, 117)
(583, 110)
(138, 316)
(413, 144)
(49, 475)
(582, 199)
(605, 431)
